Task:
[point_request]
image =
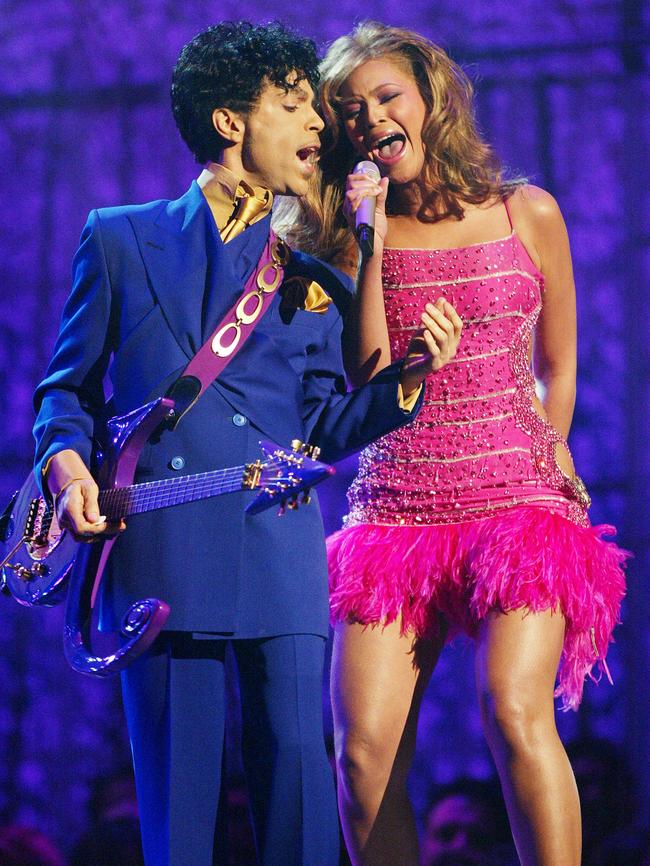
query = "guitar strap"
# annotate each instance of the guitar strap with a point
(232, 331)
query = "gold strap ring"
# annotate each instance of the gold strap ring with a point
(247, 317)
(217, 345)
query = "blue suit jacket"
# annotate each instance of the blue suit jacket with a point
(150, 284)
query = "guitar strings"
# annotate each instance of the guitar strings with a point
(168, 490)
(133, 499)
(122, 501)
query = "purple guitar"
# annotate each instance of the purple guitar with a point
(41, 561)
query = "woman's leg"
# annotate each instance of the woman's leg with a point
(378, 679)
(516, 663)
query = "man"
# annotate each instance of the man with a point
(151, 284)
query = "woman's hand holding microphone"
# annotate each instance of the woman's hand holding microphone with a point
(436, 341)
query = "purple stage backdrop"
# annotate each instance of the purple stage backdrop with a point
(562, 86)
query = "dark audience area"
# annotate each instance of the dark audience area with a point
(464, 824)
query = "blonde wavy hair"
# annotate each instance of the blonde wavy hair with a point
(459, 167)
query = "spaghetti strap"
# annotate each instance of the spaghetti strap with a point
(505, 204)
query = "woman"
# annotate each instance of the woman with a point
(471, 519)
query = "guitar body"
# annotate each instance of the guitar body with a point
(50, 562)
(41, 562)
(144, 620)
(40, 567)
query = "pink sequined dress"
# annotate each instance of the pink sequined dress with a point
(467, 510)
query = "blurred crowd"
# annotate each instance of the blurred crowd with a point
(464, 823)
(112, 837)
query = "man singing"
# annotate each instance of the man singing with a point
(151, 284)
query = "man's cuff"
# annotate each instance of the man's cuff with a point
(46, 465)
(407, 404)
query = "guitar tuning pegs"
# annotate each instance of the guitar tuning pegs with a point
(306, 497)
(293, 503)
(282, 509)
(311, 451)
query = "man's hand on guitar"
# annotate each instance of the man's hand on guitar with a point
(75, 496)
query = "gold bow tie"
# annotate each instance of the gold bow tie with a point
(301, 293)
(250, 204)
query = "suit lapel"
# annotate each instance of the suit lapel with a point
(194, 276)
(245, 250)
(229, 266)
(174, 247)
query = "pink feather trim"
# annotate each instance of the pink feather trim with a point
(524, 558)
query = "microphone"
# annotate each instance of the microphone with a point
(364, 217)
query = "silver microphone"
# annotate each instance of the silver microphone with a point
(364, 218)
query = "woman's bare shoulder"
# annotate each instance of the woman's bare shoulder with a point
(534, 206)
(538, 221)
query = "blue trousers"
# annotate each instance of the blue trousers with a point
(174, 698)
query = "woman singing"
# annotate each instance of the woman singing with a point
(471, 519)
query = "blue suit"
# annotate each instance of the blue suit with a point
(150, 284)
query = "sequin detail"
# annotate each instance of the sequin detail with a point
(478, 446)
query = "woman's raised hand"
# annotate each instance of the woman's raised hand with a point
(361, 186)
(434, 344)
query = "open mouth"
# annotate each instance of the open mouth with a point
(309, 155)
(390, 148)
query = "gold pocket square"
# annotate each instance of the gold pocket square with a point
(301, 293)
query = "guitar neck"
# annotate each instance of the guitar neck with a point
(117, 502)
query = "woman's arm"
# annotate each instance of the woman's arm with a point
(366, 343)
(540, 226)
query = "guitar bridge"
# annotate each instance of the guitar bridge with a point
(252, 473)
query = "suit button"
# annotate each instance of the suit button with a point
(239, 420)
(177, 462)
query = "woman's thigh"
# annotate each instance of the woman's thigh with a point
(377, 676)
(517, 657)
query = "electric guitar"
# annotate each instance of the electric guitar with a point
(41, 562)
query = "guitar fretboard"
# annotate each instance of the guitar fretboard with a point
(123, 501)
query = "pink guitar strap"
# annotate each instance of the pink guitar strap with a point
(233, 330)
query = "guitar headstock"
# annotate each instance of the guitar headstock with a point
(285, 476)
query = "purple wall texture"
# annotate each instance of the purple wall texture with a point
(86, 122)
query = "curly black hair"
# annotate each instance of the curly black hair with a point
(227, 66)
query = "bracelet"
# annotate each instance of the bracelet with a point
(64, 487)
